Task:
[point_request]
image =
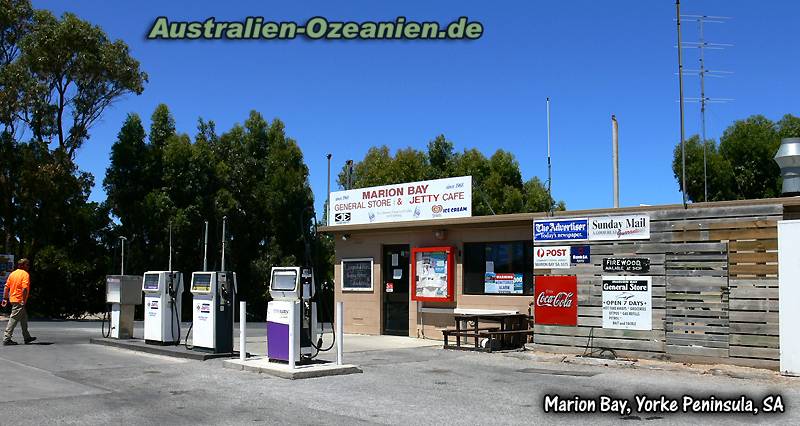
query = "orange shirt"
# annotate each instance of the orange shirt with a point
(18, 280)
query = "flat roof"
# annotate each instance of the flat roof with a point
(525, 218)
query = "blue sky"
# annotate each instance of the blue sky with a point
(591, 58)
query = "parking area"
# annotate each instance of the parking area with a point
(65, 380)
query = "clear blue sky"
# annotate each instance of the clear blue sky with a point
(592, 58)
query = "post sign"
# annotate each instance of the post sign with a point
(357, 274)
(628, 302)
(626, 264)
(580, 254)
(551, 257)
(433, 199)
(554, 230)
(628, 227)
(556, 300)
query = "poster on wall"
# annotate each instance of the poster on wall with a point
(556, 300)
(357, 274)
(503, 283)
(432, 199)
(628, 302)
(432, 269)
(628, 227)
(551, 257)
(6, 267)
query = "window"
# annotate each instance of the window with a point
(504, 268)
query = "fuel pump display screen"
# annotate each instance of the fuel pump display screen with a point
(201, 283)
(150, 282)
(284, 280)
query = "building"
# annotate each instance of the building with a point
(713, 269)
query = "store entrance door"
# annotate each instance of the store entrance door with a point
(395, 285)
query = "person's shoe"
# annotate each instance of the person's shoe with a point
(29, 341)
(9, 343)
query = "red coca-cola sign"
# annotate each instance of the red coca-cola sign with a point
(556, 300)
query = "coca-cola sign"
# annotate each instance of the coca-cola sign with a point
(556, 300)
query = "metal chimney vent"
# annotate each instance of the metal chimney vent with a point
(788, 159)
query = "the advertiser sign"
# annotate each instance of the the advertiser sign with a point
(549, 230)
(556, 300)
(629, 227)
(552, 257)
(432, 199)
(628, 303)
(580, 254)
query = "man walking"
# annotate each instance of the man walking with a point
(16, 291)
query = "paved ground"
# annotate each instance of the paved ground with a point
(405, 381)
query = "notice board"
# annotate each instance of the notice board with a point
(432, 270)
(357, 274)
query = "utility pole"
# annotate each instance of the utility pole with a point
(702, 45)
(680, 90)
(549, 165)
(615, 157)
(328, 200)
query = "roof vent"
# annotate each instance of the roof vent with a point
(788, 159)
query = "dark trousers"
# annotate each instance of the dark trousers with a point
(18, 315)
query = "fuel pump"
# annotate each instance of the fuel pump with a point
(123, 293)
(291, 315)
(162, 307)
(212, 311)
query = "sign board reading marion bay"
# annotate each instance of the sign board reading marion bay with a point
(432, 199)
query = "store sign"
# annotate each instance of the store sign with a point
(552, 257)
(626, 264)
(556, 300)
(628, 227)
(503, 283)
(580, 254)
(628, 303)
(433, 199)
(552, 230)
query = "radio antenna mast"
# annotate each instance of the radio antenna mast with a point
(224, 220)
(702, 45)
(170, 246)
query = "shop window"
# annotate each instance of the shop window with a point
(500, 268)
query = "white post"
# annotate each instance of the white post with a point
(339, 334)
(292, 330)
(242, 331)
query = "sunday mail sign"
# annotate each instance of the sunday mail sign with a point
(628, 227)
(432, 199)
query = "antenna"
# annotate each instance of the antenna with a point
(549, 165)
(615, 157)
(680, 94)
(205, 250)
(224, 220)
(122, 263)
(702, 45)
(170, 246)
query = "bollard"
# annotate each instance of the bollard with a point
(339, 337)
(292, 331)
(242, 331)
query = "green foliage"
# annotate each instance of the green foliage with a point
(497, 181)
(742, 166)
(57, 76)
(253, 174)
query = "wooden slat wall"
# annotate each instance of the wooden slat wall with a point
(715, 290)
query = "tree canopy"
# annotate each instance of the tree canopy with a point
(742, 165)
(497, 184)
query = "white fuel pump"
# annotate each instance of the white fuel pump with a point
(162, 307)
(291, 315)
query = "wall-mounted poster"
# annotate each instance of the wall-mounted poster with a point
(357, 274)
(432, 270)
(503, 283)
(431, 199)
(628, 302)
(6, 267)
(556, 300)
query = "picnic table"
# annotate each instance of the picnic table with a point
(500, 331)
